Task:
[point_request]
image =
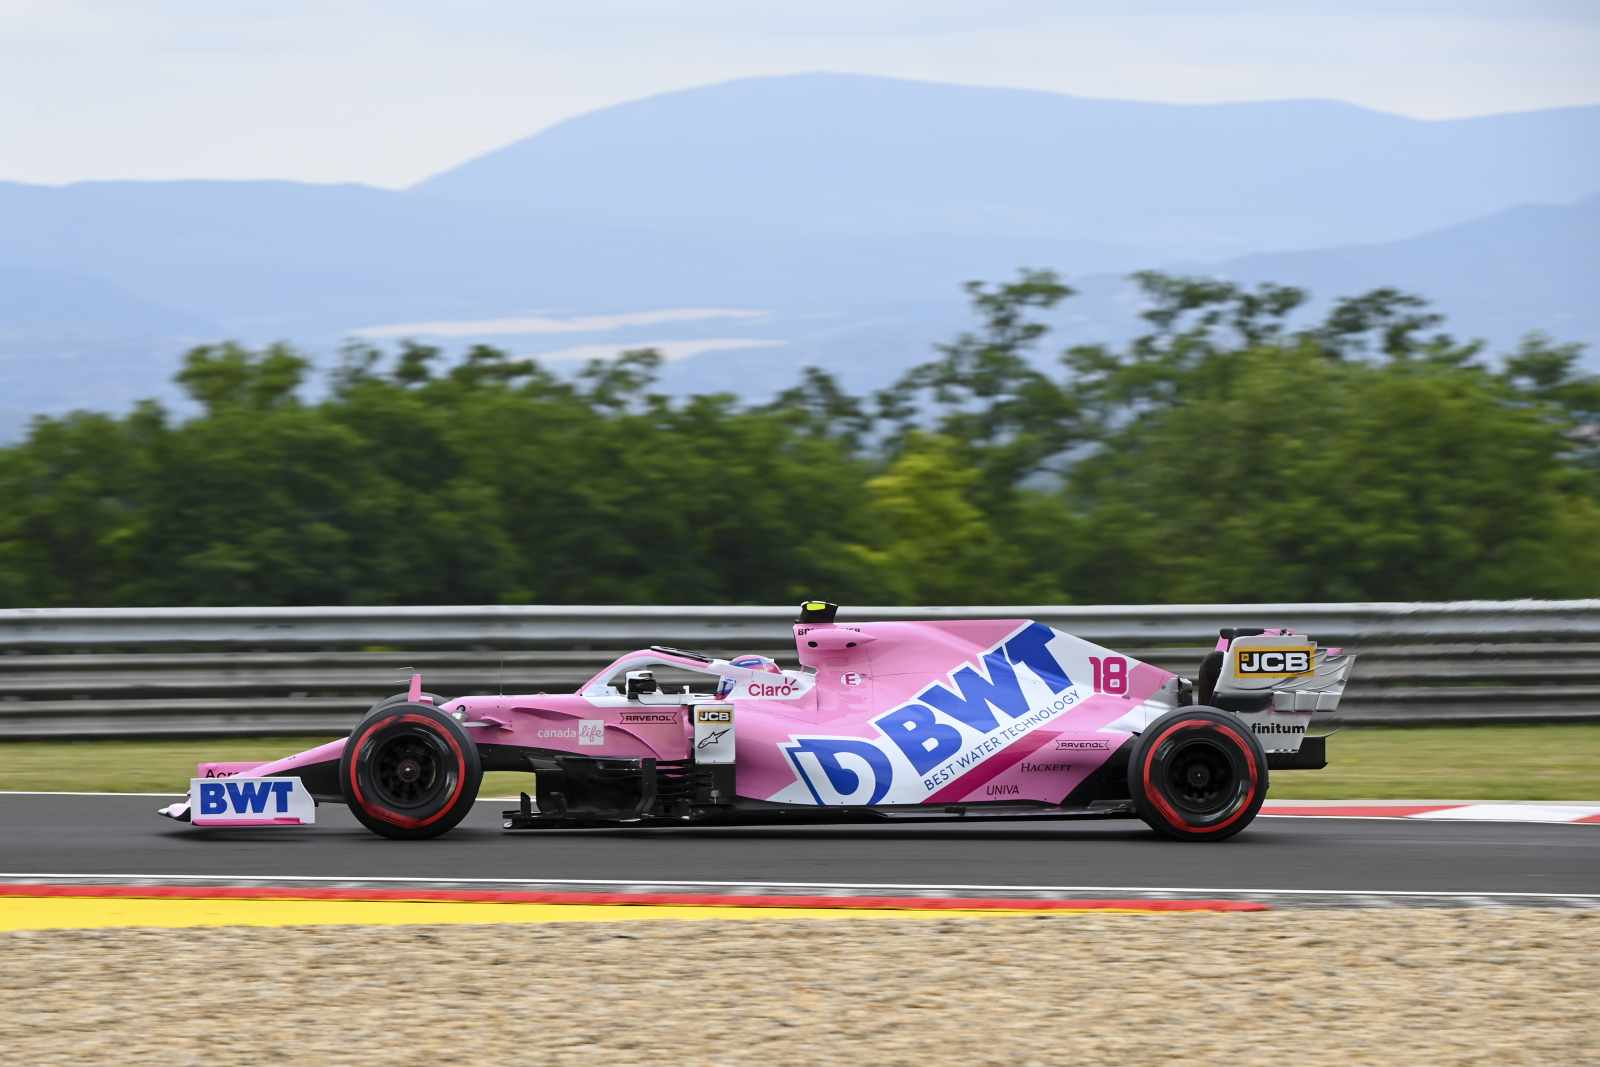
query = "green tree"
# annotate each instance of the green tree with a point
(937, 546)
(1311, 480)
(1222, 455)
(984, 394)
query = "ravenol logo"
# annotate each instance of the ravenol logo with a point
(223, 797)
(1273, 662)
(945, 730)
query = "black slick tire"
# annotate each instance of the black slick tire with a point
(409, 771)
(1197, 774)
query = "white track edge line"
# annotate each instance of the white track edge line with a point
(1434, 822)
(765, 883)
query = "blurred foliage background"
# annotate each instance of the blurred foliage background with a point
(1221, 456)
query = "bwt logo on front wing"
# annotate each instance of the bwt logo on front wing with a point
(244, 801)
(223, 797)
(945, 731)
(1273, 662)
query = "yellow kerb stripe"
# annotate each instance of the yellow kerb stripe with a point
(68, 913)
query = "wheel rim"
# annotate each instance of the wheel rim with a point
(410, 768)
(1202, 779)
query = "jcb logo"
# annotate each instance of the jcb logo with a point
(713, 715)
(1279, 662)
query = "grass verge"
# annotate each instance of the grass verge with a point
(1532, 762)
(1536, 762)
(158, 766)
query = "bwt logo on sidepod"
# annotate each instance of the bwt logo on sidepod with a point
(941, 733)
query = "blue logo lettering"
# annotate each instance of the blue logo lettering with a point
(928, 743)
(925, 741)
(212, 799)
(250, 796)
(843, 781)
(975, 693)
(914, 728)
(1030, 648)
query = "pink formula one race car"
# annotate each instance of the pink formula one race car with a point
(882, 719)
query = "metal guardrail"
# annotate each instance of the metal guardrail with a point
(166, 672)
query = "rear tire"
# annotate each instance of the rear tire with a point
(409, 771)
(1197, 774)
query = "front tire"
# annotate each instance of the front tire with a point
(409, 771)
(405, 698)
(1197, 774)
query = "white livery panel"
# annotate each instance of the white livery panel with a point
(242, 801)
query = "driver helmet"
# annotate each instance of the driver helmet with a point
(751, 662)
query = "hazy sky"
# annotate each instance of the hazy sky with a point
(389, 92)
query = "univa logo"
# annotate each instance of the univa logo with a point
(928, 731)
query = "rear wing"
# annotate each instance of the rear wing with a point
(1282, 669)
(1275, 680)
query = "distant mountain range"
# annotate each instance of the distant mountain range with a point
(851, 155)
(846, 208)
(1495, 278)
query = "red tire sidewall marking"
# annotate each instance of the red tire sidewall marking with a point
(406, 821)
(1160, 802)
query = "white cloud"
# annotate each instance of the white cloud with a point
(670, 350)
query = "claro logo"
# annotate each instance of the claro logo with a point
(1273, 662)
(762, 689)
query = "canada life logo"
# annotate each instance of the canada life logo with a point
(945, 723)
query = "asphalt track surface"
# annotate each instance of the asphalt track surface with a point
(121, 836)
